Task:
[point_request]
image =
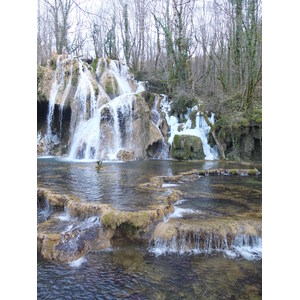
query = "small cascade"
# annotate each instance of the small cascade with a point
(121, 111)
(246, 246)
(58, 82)
(122, 76)
(156, 120)
(201, 129)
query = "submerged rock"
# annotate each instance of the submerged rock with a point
(78, 239)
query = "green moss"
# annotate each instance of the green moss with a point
(109, 87)
(252, 172)
(201, 172)
(132, 220)
(256, 116)
(116, 84)
(187, 147)
(102, 66)
(233, 172)
(149, 98)
(94, 64)
(41, 96)
(75, 76)
(193, 118)
(108, 220)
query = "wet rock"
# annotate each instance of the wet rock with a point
(187, 147)
(73, 244)
(210, 233)
(110, 84)
(125, 155)
(241, 172)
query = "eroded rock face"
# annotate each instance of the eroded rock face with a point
(125, 155)
(241, 237)
(187, 147)
(86, 226)
(75, 241)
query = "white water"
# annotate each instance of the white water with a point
(85, 123)
(77, 263)
(166, 185)
(179, 212)
(85, 128)
(201, 129)
(58, 81)
(156, 120)
(247, 247)
(121, 110)
(122, 76)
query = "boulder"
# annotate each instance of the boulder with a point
(186, 147)
(125, 155)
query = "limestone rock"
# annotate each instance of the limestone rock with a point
(125, 155)
(154, 135)
(186, 147)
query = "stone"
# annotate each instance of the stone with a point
(186, 147)
(125, 155)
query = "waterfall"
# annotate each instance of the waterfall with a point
(201, 129)
(92, 108)
(122, 76)
(85, 125)
(246, 246)
(121, 110)
(156, 120)
(58, 81)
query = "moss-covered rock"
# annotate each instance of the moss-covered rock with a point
(186, 147)
(241, 135)
(94, 64)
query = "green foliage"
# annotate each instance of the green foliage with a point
(256, 116)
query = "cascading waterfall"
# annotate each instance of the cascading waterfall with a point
(156, 120)
(122, 76)
(85, 125)
(58, 81)
(121, 110)
(201, 129)
(246, 246)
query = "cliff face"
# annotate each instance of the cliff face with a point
(241, 136)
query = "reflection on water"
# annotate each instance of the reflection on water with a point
(133, 273)
(115, 183)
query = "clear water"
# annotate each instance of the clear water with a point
(131, 271)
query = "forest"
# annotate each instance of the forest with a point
(191, 50)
